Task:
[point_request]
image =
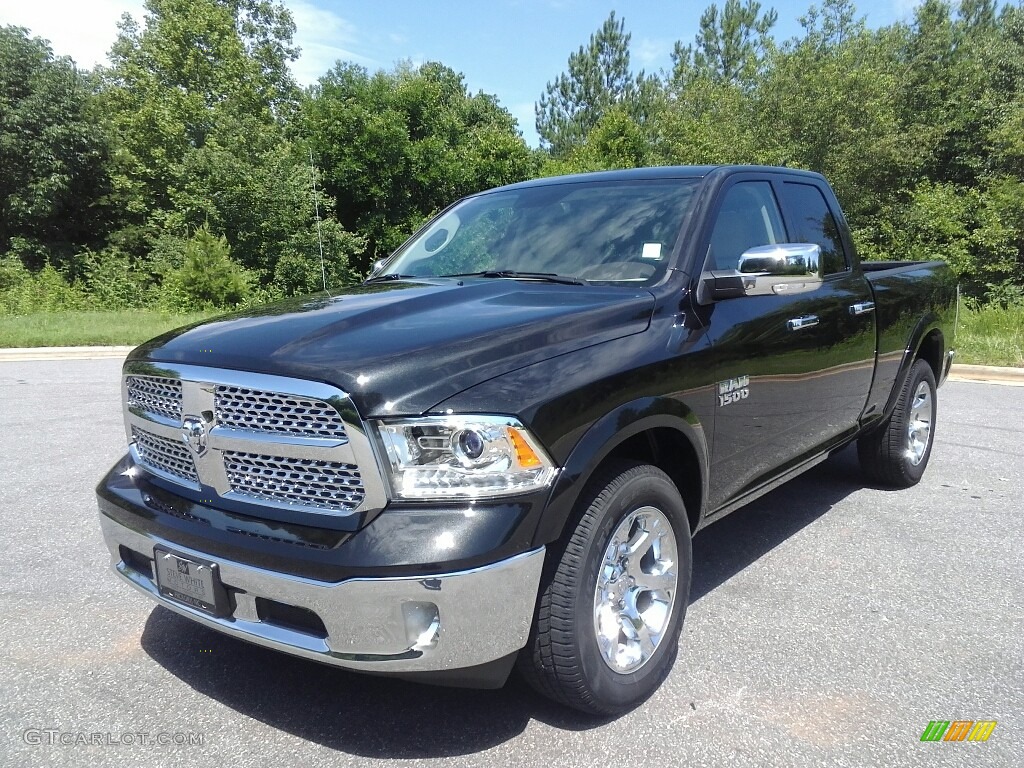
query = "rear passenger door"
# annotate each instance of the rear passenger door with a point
(848, 355)
(785, 389)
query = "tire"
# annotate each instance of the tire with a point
(631, 504)
(896, 454)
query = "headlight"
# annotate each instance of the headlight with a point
(462, 457)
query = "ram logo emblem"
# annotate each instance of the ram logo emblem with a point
(193, 430)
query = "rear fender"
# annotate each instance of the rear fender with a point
(930, 322)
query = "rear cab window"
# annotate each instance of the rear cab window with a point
(813, 222)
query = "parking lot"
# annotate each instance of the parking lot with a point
(829, 623)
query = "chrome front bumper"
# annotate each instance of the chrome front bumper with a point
(429, 623)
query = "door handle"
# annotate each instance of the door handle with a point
(807, 321)
(862, 308)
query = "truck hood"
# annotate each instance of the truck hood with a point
(403, 347)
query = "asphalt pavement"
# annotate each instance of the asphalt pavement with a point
(830, 622)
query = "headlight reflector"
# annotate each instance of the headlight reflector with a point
(462, 456)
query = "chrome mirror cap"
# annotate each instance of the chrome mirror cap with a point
(789, 259)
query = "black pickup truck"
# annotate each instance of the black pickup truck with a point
(495, 452)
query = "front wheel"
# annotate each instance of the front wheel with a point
(897, 453)
(611, 608)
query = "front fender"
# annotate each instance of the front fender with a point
(601, 439)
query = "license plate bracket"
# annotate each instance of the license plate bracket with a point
(191, 581)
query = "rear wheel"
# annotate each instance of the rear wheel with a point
(612, 605)
(896, 454)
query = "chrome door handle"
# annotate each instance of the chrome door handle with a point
(807, 321)
(862, 308)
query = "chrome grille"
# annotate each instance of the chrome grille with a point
(168, 456)
(273, 413)
(260, 440)
(304, 482)
(155, 394)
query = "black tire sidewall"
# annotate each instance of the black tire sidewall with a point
(920, 372)
(614, 691)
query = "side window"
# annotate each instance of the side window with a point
(815, 224)
(749, 216)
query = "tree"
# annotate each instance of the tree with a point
(730, 46)
(598, 78)
(207, 276)
(398, 146)
(53, 153)
(716, 122)
(617, 141)
(199, 98)
(193, 67)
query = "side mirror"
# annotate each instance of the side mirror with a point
(765, 269)
(785, 259)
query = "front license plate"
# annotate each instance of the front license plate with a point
(196, 583)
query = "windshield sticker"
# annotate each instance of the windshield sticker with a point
(651, 251)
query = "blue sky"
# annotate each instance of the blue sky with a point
(510, 48)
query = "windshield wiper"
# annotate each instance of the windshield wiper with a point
(387, 277)
(550, 277)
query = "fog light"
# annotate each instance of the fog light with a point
(422, 625)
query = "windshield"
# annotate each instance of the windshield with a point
(621, 231)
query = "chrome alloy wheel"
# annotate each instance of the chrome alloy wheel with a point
(636, 589)
(919, 425)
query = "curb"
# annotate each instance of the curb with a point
(991, 374)
(25, 354)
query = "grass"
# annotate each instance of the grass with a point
(991, 336)
(988, 336)
(87, 328)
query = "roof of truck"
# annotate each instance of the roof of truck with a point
(658, 172)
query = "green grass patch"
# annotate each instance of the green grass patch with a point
(991, 336)
(85, 328)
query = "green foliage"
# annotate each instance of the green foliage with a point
(299, 269)
(46, 290)
(396, 147)
(917, 127)
(992, 335)
(207, 278)
(714, 122)
(730, 46)
(182, 176)
(113, 280)
(598, 78)
(617, 141)
(827, 103)
(53, 153)
(194, 97)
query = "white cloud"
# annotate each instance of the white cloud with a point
(650, 51)
(905, 8)
(85, 31)
(324, 37)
